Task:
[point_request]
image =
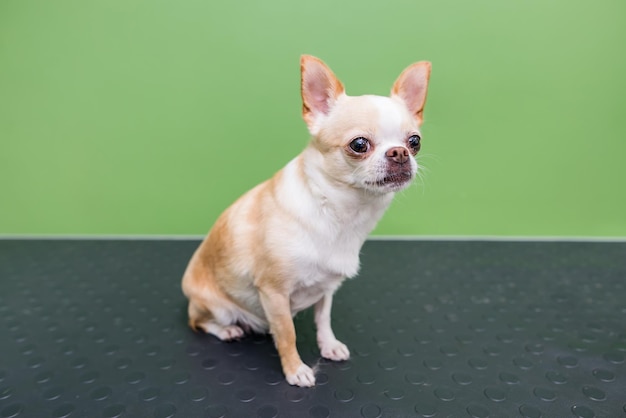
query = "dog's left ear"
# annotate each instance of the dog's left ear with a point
(412, 86)
(320, 90)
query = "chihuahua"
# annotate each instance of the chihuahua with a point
(288, 243)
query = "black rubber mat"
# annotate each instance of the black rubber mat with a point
(436, 329)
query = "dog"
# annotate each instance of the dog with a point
(289, 243)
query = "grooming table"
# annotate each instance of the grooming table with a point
(98, 328)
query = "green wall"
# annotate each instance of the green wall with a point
(151, 116)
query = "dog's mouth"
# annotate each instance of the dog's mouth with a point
(393, 180)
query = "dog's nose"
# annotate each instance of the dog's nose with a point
(399, 155)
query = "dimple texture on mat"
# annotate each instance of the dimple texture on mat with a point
(436, 329)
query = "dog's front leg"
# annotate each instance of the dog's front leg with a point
(330, 347)
(278, 311)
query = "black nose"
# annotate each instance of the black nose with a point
(398, 155)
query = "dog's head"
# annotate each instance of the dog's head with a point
(368, 142)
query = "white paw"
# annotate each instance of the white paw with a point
(230, 332)
(227, 333)
(334, 350)
(303, 377)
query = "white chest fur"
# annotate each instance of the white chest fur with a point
(321, 268)
(323, 237)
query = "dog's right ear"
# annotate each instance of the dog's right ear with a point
(320, 90)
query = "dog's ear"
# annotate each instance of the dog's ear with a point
(320, 89)
(412, 86)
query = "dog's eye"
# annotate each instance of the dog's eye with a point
(414, 143)
(360, 145)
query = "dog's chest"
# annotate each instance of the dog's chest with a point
(321, 270)
(322, 239)
(336, 256)
(320, 265)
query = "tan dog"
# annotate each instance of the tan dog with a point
(288, 243)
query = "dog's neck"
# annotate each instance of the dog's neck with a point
(338, 197)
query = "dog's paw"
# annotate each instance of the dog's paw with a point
(224, 333)
(230, 332)
(335, 350)
(303, 377)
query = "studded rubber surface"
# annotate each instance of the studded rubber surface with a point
(436, 329)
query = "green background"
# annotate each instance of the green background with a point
(151, 116)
